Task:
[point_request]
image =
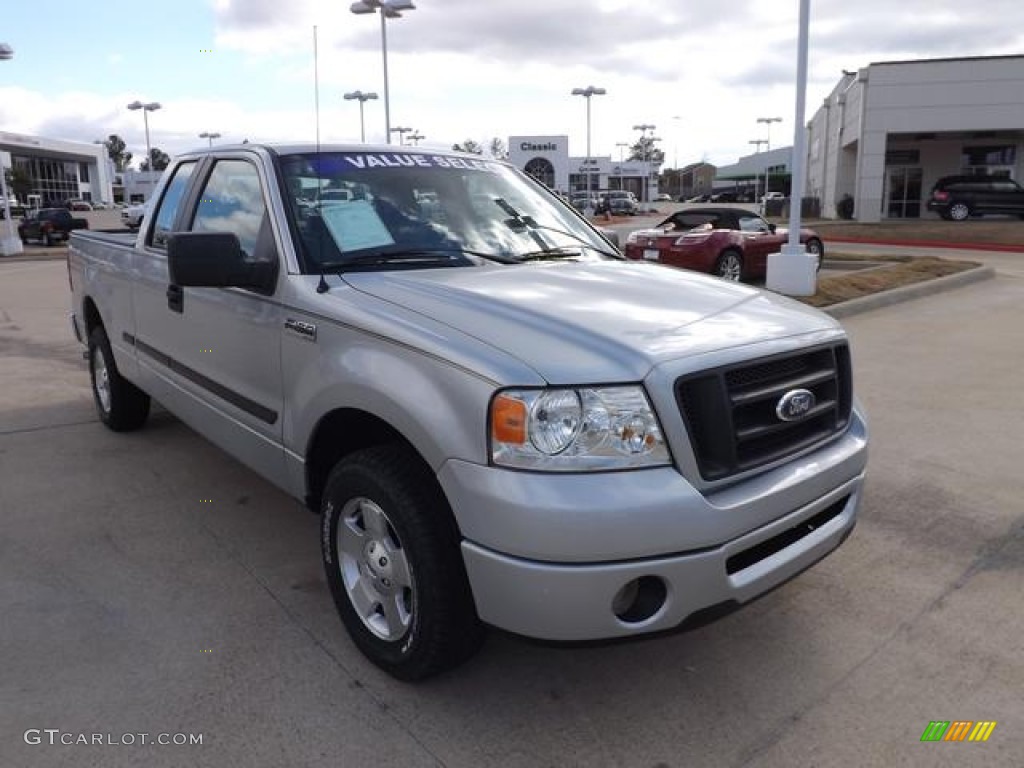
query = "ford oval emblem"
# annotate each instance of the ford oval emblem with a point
(795, 404)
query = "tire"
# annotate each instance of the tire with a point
(815, 246)
(729, 266)
(391, 555)
(959, 211)
(121, 405)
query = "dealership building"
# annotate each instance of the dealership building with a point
(888, 131)
(547, 159)
(59, 170)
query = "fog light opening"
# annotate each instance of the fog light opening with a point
(639, 599)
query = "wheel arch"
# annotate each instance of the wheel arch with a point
(91, 315)
(339, 433)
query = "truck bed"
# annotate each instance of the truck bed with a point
(125, 239)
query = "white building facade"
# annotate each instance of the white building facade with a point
(887, 132)
(547, 159)
(58, 170)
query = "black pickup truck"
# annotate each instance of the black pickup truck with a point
(49, 225)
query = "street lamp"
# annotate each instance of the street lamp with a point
(586, 93)
(644, 128)
(768, 144)
(209, 136)
(622, 148)
(362, 98)
(10, 244)
(152, 106)
(768, 129)
(389, 9)
(416, 138)
(401, 131)
(675, 156)
(758, 143)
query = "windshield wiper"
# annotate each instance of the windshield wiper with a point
(414, 257)
(551, 254)
(520, 223)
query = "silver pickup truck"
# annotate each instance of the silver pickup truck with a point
(500, 420)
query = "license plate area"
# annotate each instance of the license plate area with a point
(651, 254)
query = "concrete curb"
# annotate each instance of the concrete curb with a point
(909, 292)
(56, 253)
(992, 247)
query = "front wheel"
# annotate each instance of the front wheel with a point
(121, 405)
(392, 560)
(729, 266)
(959, 211)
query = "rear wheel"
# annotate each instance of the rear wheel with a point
(121, 405)
(729, 266)
(959, 211)
(391, 555)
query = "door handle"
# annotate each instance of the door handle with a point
(175, 298)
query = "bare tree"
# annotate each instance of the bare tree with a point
(470, 146)
(498, 149)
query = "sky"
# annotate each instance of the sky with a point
(702, 71)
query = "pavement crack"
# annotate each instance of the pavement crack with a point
(44, 428)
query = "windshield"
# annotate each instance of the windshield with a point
(375, 210)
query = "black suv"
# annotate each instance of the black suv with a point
(959, 197)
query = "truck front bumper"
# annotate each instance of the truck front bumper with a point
(572, 602)
(603, 555)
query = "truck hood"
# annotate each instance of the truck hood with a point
(588, 323)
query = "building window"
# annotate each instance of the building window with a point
(83, 173)
(1001, 155)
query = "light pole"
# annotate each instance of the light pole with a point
(416, 138)
(146, 108)
(758, 143)
(644, 128)
(586, 93)
(675, 156)
(362, 98)
(622, 148)
(10, 244)
(209, 136)
(401, 131)
(389, 9)
(768, 143)
(794, 271)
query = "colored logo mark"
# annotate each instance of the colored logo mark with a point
(958, 730)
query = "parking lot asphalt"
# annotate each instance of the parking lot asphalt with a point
(151, 584)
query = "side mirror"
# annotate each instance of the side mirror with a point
(215, 260)
(771, 228)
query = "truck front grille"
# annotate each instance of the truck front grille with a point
(730, 412)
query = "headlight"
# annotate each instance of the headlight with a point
(576, 430)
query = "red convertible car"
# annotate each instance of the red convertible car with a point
(729, 242)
